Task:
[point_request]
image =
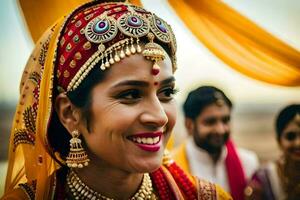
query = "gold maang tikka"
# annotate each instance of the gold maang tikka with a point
(154, 52)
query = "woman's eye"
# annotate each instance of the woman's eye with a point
(167, 94)
(130, 95)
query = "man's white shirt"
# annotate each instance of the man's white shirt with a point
(202, 165)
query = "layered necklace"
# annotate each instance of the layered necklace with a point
(80, 190)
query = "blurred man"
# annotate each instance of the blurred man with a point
(209, 153)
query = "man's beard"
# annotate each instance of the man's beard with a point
(212, 143)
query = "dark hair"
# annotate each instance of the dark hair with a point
(58, 136)
(286, 115)
(201, 97)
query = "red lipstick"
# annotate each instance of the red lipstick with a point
(147, 141)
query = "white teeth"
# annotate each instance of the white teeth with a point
(156, 139)
(144, 140)
(148, 140)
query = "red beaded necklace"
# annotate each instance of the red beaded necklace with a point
(165, 192)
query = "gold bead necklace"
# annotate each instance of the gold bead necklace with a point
(81, 191)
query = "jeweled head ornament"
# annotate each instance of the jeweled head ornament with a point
(105, 33)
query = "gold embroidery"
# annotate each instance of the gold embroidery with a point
(87, 45)
(29, 117)
(78, 56)
(89, 17)
(35, 77)
(206, 190)
(78, 23)
(43, 52)
(62, 41)
(21, 136)
(82, 31)
(29, 190)
(66, 73)
(70, 33)
(62, 60)
(73, 64)
(26, 135)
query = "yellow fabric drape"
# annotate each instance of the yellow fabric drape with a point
(39, 15)
(239, 42)
(29, 160)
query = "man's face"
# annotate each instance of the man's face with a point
(211, 128)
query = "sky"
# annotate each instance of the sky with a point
(196, 64)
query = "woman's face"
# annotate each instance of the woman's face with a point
(290, 140)
(132, 115)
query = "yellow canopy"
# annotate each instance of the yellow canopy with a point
(39, 15)
(240, 43)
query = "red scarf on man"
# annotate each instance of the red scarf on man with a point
(235, 172)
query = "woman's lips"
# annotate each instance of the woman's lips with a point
(150, 141)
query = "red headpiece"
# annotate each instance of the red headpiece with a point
(105, 33)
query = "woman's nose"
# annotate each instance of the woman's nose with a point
(154, 114)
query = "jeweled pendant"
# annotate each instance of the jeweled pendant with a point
(155, 69)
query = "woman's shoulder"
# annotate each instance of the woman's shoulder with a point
(191, 186)
(265, 171)
(208, 190)
(24, 191)
(27, 190)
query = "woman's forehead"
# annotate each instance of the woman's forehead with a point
(137, 67)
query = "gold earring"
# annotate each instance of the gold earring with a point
(77, 157)
(167, 159)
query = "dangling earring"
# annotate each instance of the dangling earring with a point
(77, 156)
(167, 159)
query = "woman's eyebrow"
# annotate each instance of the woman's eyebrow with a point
(142, 83)
(168, 80)
(132, 83)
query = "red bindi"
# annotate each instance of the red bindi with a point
(155, 83)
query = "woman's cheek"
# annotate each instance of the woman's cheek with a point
(171, 112)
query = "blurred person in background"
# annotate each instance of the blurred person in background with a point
(209, 152)
(280, 179)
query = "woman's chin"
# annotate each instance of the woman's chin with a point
(148, 166)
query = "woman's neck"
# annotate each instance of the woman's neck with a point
(290, 176)
(112, 183)
(291, 170)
